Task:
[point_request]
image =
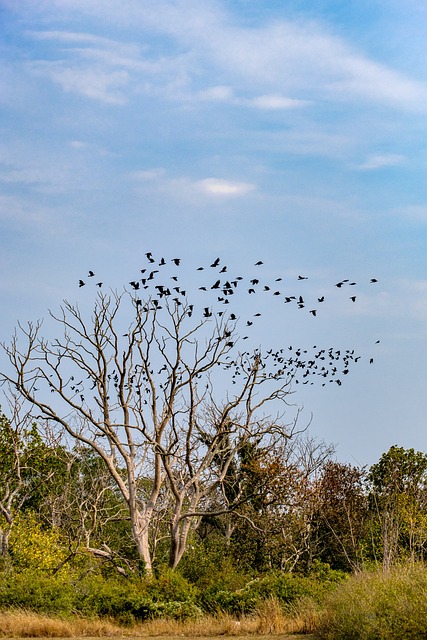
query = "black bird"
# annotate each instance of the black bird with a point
(353, 298)
(134, 284)
(91, 274)
(176, 261)
(254, 281)
(223, 270)
(302, 278)
(258, 263)
(162, 262)
(374, 280)
(207, 313)
(215, 263)
(81, 283)
(313, 312)
(321, 299)
(150, 257)
(99, 284)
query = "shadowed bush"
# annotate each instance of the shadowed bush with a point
(288, 589)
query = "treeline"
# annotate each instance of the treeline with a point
(299, 510)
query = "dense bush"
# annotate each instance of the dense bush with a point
(286, 588)
(378, 606)
(169, 596)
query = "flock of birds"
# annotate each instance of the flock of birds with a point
(157, 284)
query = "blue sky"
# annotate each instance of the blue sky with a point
(292, 132)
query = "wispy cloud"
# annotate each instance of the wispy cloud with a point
(219, 188)
(96, 84)
(266, 102)
(283, 63)
(381, 161)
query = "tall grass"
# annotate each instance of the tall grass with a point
(269, 620)
(378, 606)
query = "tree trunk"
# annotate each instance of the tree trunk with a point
(140, 527)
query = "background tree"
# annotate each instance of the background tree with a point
(398, 484)
(343, 516)
(25, 469)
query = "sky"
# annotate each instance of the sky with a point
(291, 132)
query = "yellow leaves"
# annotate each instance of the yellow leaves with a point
(34, 547)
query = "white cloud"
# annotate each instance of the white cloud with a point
(382, 161)
(185, 187)
(219, 187)
(275, 102)
(266, 102)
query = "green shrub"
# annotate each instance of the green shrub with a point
(126, 600)
(378, 606)
(208, 567)
(170, 586)
(286, 588)
(37, 591)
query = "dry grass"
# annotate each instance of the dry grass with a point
(25, 624)
(270, 620)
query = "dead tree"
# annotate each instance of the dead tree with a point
(161, 392)
(146, 402)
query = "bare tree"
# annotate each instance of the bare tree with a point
(145, 399)
(162, 394)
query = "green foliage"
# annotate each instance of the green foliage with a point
(128, 601)
(170, 586)
(378, 606)
(37, 591)
(398, 499)
(210, 567)
(286, 588)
